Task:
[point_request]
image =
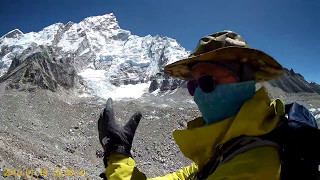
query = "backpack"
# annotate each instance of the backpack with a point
(296, 137)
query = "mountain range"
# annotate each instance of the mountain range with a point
(98, 58)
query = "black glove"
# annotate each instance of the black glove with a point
(113, 138)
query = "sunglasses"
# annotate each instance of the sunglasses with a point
(206, 83)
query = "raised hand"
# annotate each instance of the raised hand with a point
(115, 138)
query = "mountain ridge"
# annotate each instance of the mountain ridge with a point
(97, 45)
(293, 82)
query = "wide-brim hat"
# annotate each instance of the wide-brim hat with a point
(224, 47)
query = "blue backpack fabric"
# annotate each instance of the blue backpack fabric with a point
(298, 138)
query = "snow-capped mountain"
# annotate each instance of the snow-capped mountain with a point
(98, 58)
(108, 59)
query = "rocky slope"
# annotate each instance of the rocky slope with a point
(46, 130)
(292, 82)
(54, 83)
(40, 69)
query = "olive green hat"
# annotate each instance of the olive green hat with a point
(224, 47)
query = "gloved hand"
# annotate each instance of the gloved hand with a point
(114, 138)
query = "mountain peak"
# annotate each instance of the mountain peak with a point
(107, 21)
(12, 34)
(293, 82)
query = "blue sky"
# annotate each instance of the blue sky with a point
(289, 30)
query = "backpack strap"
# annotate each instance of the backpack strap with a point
(249, 143)
(231, 149)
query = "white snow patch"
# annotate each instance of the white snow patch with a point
(131, 91)
(156, 92)
(98, 84)
(164, 105)
(70, 43)
(84, 52)
(312, 109)
(83, 95)
(172, 92)
(93, 75)
(317, 116)
(152, 117)
(189, 101)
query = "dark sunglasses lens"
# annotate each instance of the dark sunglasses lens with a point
(206, 83)
(191, 87)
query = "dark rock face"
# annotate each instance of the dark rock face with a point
(175, 84)
(42, 70)
(165, 85)
(292, 82)
(164, 82)
(315, 87)
(153, 86)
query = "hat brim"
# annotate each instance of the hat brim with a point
(265, 67)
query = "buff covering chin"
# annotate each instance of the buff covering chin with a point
(225, 101)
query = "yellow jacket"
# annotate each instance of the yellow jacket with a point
(256, 117)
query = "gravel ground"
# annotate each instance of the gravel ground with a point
(57, 131)
(52, 131)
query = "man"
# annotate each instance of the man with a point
(221, 74)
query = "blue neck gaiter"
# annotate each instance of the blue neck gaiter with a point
(224, 101)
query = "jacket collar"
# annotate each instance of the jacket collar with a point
(256, 117)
